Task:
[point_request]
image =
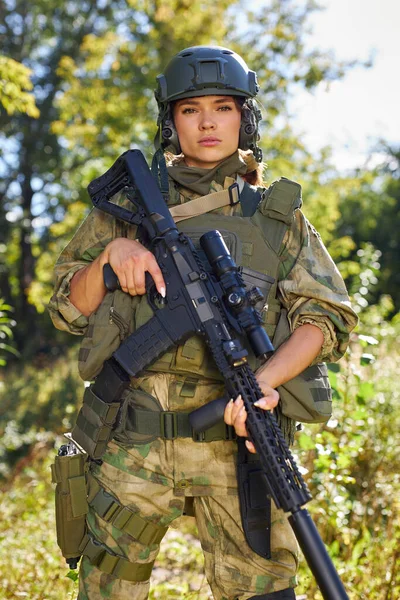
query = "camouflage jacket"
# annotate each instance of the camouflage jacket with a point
(310, 286)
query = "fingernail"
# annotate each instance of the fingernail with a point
(261, 404)
(163, 292)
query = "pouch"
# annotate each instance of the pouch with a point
(113, 321)
(136, 398)
(255, 502)
(306, 398)
(69, 475)
(95, 423)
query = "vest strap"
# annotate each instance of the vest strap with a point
(121, 517)
(204, 204)
(279, 203)
(171, 425)
(248, 196)
(112, 564)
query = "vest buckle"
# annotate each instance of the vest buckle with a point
(234, 194)
(169, 425)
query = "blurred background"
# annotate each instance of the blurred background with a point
(76, 90)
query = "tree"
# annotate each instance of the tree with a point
(48, 38)
(37, 36)
(370, 212)
(15, 86)
(93, 69)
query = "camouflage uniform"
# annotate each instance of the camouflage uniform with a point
(153, 478)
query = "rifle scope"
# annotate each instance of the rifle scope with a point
(238, 300)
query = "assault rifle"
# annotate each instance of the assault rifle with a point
(212, 302)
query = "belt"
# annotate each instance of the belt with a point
(171, 425)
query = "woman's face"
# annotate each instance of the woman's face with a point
(208, 129)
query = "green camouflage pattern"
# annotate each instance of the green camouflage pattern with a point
(312, 289)
(153, 480)
(192, 469)
(310, 286)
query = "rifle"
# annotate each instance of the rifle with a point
(213, 303)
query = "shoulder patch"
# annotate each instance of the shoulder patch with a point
(281, 199)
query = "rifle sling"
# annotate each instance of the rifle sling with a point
(248, 196)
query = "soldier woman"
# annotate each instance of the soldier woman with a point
(151, 474)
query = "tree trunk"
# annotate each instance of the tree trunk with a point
(25, 312)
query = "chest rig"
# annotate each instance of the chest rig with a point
(254, 242)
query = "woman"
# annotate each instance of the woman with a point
(208, 126)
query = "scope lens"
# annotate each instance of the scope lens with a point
(217, 252)
(214, 246)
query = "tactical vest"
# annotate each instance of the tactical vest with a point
(255, 243)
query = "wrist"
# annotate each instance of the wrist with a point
(104, 257)
(267, 375)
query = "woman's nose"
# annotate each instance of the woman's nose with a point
(207, 121)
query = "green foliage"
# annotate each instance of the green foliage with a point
(273, 43)
(363, 276)
(354, 468)
(113, 78)
(36, 398)
(58, 235)
(370, 214)
(15, 88)
(6, 324)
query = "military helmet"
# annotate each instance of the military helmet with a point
(207, 71)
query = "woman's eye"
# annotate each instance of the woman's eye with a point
(188, 111)
(227, 107)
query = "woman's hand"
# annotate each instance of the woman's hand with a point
(130, 261)
(236, 415)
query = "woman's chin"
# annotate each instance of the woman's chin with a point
(208, 158)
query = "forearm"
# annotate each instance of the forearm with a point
(293, 356)
(87, 287)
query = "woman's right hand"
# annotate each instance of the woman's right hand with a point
(130, 261)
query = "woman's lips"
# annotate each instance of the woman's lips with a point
(209, 141)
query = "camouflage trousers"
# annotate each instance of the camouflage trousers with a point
(233, 570)
(153, 479)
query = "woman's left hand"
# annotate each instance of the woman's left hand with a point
(235, 413)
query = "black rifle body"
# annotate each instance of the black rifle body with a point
(196, 304)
